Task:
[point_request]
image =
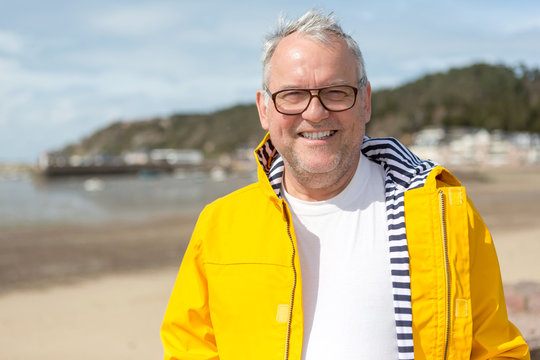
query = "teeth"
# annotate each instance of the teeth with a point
(317, 135)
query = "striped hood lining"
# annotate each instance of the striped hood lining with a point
(402, 167)
(404, 171)
(272, 164)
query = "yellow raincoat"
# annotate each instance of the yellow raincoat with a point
(238, 294)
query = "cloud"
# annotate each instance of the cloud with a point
(10, 42)
(523, 26)
(45, 109)
(134, 20)
(65, 73)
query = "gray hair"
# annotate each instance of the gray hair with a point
(316, 26)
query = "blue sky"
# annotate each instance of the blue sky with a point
(68, 68)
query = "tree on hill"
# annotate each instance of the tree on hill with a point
(480, 95)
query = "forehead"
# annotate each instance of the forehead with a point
(302, 61)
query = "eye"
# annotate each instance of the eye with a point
(292, 96)
(337, 93)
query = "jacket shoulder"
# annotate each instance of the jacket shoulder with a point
(248, 195)
(246, 226)
(248, 205)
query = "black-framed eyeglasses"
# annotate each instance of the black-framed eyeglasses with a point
(333, 98)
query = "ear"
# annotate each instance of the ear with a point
(263, 110)
(367, 101)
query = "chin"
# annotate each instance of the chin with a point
(319, 167)
(318, 170)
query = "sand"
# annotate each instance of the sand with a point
(113, 317)
(99, 292)
(88, 292)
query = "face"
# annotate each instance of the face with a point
(320, 148)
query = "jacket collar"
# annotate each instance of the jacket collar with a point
(403, 169)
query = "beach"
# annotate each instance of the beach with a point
(98, 291)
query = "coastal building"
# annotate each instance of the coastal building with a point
(466, 147)
(177, 157)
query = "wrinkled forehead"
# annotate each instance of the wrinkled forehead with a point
(299, 57)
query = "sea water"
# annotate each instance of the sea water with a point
(35, 200)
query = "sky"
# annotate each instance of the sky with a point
(69, 68)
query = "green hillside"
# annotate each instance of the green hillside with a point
(214, 133)
(481, 95)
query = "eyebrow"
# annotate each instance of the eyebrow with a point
(287, 87)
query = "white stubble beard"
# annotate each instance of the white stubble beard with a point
(313, 178)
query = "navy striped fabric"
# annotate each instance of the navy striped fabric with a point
(404, 171)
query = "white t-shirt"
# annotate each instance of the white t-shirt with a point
(345, 269)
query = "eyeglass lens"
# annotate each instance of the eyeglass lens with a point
(334, 98)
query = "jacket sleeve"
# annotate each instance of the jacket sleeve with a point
(187, 332)
(494, 336)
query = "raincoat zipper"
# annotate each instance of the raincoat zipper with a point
(447, 269)
(288, 339)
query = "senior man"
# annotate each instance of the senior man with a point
(347, 247)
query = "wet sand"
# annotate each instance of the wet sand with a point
(39, 256)
(99, 292)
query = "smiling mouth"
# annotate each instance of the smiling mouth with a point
(321, 135)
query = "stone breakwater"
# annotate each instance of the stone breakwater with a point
(523, 304)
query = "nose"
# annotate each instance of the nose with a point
(315, 111)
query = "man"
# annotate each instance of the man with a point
(347, 247)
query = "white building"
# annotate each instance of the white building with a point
(177, 157)
(477, 147)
